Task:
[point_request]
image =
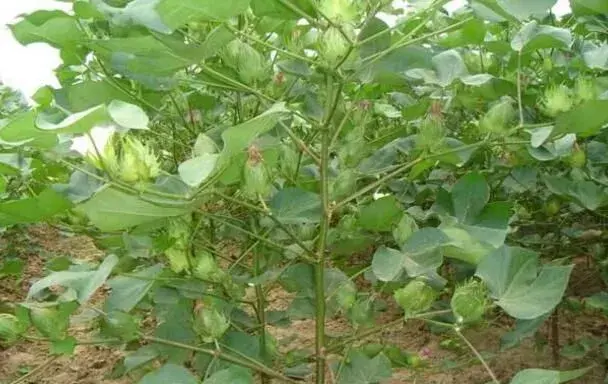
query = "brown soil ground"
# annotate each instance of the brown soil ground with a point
(91, 364)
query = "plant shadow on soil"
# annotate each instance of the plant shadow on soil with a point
(91, 364)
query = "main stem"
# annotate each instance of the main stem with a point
(325, 221)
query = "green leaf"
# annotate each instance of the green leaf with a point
(523, 9)
(33, 209)
(377, 44)
(587, 194)
(595, 57)
(470, 194)
(449, 66)
(543, 376)
(523, 330)
(170, 373)
(519, 286)
(420, 254)
(598, 301)
(126, 115)
(113, 210)
(277, 10)
(381, 215)
(232, 375)
(84, 283)
(63, 347)
(296, 206)
(53, 27)
(589, 6)
(142, 356)
(88, 94)
(532, 37)
(584, 120)
(22, 130)
(360, 369)
(197, 169)
(128, 291)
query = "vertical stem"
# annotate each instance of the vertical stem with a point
(261, 314)
(519, 101)
(325, 222)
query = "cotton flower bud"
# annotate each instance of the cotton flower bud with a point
(210, 324)
(137, 162)
(557, 100)
(10, 328)
(333, 46)
(415, 297)
(584, 90)
(469, 301)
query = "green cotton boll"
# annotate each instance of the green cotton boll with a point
(207, 269)
(49, 322)
(431, 133)
(338, 11)
(178, 259)
(210, 324)
(289, 161)
(585, 90)
(343, 185)
(415, 297)
(137, 162)
(333, 46)
(345, 295)
(10, 328)
(470, 301)
(557, 100)
(245, 60)
(498, 118)
(120, 325)
(256, 180)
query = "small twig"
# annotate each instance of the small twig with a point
(477, 354)
(31, 374)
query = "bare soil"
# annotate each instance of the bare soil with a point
(91, 364)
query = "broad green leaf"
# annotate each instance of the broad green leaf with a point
(113, 210)
(387, 263)
(449, 66)
(532, 37)
(387, 110)
(128, 291)
(360, 369)
(519, 286)
(149, 60)
(88, 94)
(239, 137)
(118, 112)
(523, 9)
(422, 251)
(22, 130)
(170, 373)
(174, 314)
(373, 27)
(84, 283)
(589, 7)
(128, 115)
(544, 376)
(232, 375)
(33, 209)
(277, 10)
(584, 120)
(381, 215)
(470, 194)
(197, 169)
(595, 57)
(420, 254)
(598, 301)
(296, 206)
(491, 11)
(53, 27)
(143, 355)
(523, 329)
(587, 194)
(391, 69)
